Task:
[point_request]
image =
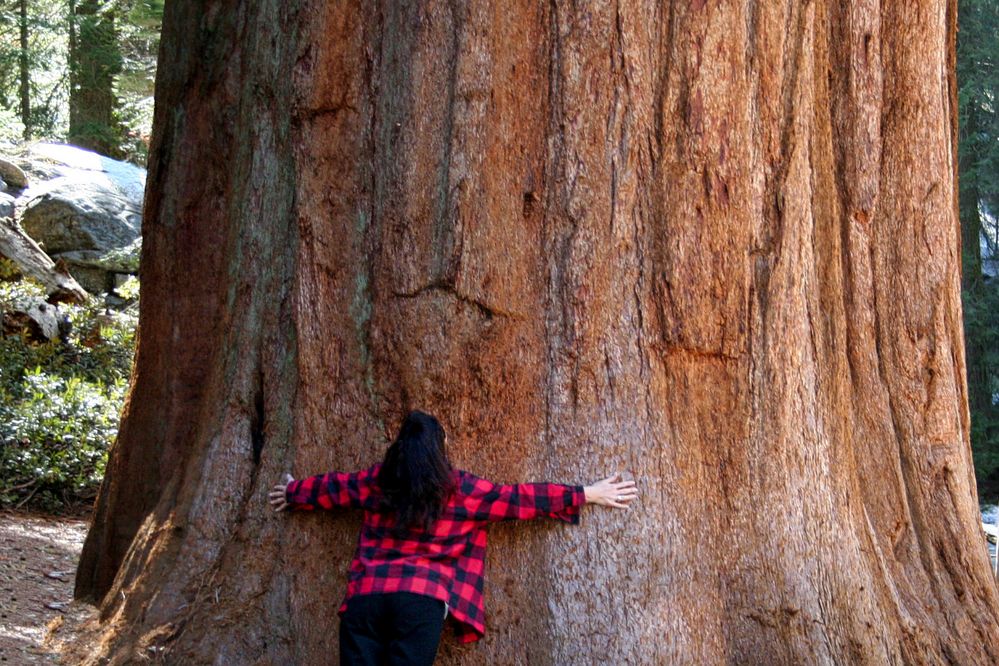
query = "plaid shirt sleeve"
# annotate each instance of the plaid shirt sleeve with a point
(490, 501)
(325, 491)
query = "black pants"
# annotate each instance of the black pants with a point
(396, 628)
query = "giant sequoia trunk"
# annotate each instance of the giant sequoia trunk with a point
(713, 244)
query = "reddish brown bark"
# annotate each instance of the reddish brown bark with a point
(714, 244)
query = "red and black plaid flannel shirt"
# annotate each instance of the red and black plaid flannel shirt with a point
(445, 562)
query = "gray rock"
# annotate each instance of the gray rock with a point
(57, 159)
(85, 210)
(6, 205)
(79, 214)
(39, 172)
(12, 174)
(116, 260)
(94, 280)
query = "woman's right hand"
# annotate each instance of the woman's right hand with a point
(611, 491)
(278, 496)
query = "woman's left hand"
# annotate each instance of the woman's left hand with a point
(611, 491)
(278, 495)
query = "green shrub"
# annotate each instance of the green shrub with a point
(54, 439)
(60, 402)
(9, 271)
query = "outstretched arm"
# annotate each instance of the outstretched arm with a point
(489, 501)
(325, 491)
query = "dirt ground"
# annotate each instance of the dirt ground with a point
(38, 556)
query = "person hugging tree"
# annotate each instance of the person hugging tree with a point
(421, 552)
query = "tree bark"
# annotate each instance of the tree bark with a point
(713, 244)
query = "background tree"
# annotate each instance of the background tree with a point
(95, 60)
(978, 76)
(113, 44)
(139, 35)
(24, 87)
(715, 244)
(33, 84)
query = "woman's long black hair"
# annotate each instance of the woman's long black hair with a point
(416, 477)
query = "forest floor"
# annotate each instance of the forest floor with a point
(38, 556)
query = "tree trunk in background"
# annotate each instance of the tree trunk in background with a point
(972, 282)
(713, 244)
(24, 87)
(94, 60)
(71, 63)
(976, 48)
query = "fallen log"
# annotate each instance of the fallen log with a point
(35, 263)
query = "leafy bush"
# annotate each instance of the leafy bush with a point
(60, 402)
(55, 438)
(8, 269)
